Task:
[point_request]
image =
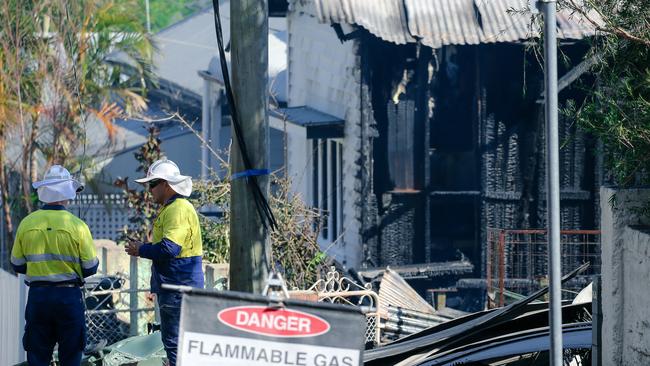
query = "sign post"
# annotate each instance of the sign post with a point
(241, 329)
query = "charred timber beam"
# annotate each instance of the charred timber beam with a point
(426, 269)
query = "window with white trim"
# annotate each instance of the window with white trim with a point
(327, 186)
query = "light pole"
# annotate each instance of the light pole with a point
(548, 8)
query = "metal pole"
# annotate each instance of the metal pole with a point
(146, 5)
(105, 260)
(133, 298)
(553, 180)
(596, 323)
(209, 277)
(249, 244)
(206, 125)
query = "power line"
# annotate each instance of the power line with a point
(263, 208)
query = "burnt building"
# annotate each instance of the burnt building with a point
(431, 127)
(458, 146)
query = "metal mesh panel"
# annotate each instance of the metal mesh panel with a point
(371, 328)
(517, 260)
(110, 310)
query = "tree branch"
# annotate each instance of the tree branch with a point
(609, 28)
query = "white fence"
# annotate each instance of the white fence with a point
(13, 297)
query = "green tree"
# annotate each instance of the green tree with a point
(617, 109)
(57, 69)
(163, 13)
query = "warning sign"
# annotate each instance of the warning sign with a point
(230, 328)
(203, 349)
(273, 322)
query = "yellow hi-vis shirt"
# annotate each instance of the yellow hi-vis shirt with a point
(178, 222)
(55, 245)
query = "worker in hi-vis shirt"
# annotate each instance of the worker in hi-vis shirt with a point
(176, 250)
(55, 250)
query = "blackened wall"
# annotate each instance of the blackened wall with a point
(457, 146)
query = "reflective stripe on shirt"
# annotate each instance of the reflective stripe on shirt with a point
(51, 257)
(53, 245)
(17, 261)
(90, 263)
(53, 278)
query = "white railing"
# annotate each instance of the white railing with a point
(339, 289)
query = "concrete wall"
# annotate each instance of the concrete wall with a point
(323, 74)
(625, 272)
(13, 297)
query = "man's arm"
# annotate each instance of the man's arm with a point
(165, 249)
(18, 261)
(173, 233)
(19, 268)
(89, 261)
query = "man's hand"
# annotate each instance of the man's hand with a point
(133, 248)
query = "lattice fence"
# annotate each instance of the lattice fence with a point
(105, 215)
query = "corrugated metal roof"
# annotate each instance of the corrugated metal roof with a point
(395, 291)
(437, 23)
(384, 18)
(440, 23)
(505, 21)
(574, 26)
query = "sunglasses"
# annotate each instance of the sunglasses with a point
(154, 183)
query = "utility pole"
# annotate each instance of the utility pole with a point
(249, 244)
(552, 181)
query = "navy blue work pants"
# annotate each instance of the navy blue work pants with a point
(54, 315)
(170, 315)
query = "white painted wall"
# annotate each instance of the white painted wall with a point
(298, 159)
(320, 66)
(323, 75)
(13, 297)
(625, 254)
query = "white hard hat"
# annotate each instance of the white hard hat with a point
(167, 170)
(57, 185)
